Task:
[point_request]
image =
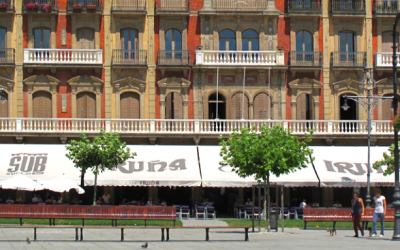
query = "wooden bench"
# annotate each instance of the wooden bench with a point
(122, 228)
(113, 213)
(340, 215)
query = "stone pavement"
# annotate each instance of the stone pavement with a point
(192, 222)
(292, 239)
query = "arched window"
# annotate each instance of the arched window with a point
(304, 107)
(212, 106)
(86, 105)
(173, 40)
(237, 106)
(42, 104)
(227, 40)
(250, 41)
(85, 38)
(4, 104)
(42, 38)
(262, 104)
(173, 106)
(304, 41)
(130, 105)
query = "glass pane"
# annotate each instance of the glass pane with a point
(350, 42)
(232, 44)
(245, 44)
(46, 39)
(3, 38)
(307, 41)
(254, 45)
(222, 44)
(342, 42)
(178, 40)
(227, 34)
(133, 39)
(126, 39)
(38, 38)
(250, 34)
(168, 40)
(299, 41)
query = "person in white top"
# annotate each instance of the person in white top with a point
(303, 204)
(380, 212)
(149, 202)
(106, 198)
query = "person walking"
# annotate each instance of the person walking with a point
(380, 212)
(357, 210)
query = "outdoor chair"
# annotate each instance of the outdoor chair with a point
(201, 210)
(242, 211)
(178, 211)
(185, 211)
(285, 213)
(248, 211)
(257, 212)
(211, 212)
(292, 212)
(299, 213)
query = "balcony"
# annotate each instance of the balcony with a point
(304, 7)
(129, 6)
(349, 7)
(305, 59)
(7, 56)
(6, 6)
(172, 7)
(239, 58)
(239, 6)
(85, 6)
(129, 57)
(66, 57)
(56, 127)
(385, 59)
(174, 57)
(386, 7)
(348, 59)
(40, 6)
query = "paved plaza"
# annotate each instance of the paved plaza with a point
(182, 239)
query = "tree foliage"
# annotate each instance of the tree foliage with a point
(274, 151)
(388, 160)
(103, 153)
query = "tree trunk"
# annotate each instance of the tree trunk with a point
(269, 204)
(265, 200)
(95, 186)
(83, 179)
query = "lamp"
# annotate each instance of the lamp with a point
(345, 106)
(199, 47)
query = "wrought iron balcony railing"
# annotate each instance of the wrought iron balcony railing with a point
(129, 57)
(6, 5)
(348, 59)
(385, 59)
(172, 6)
(239, 58)
(304, 6)
(128, 5)
(7, 56)
(242, 5)
(387, 7)
(85, 5)
(63, 56)
(305, 58)
(173, 57)
(40, 6)
(348, 7)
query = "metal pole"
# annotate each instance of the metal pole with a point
(254, 200)
(244, 81)
(396, 195)
(368, 197)
(277, 206)
(216, 114)
(259, 208)
(269, 93)
(283, 210)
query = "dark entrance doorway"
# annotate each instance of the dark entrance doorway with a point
(212, 107)
(351, 113)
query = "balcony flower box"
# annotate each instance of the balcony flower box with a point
(77, 6)
(3, 5)
(46, 7)
(32, 6)
(91, 7)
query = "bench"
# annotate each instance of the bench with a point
(113, 213)
(341, 215)
(163, 230)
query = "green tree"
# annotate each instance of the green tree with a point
(388, 160)
(103, 153)
(274, 151)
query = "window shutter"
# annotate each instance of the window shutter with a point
(86, 38)
(42, 105)
(130, 105)
(168, 106)
(86, 105)
(236, 106)
(261, 107)
(178, 106)
(301, 112)
(387, 112)
(4, 106)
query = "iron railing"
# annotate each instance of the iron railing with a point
(305, 58)
(305, 6)
(129, 57)
(6, 5)
(348, 59)
(387, 7)
(174, 57)
(86, 5)
(172, 5)
(45, 6)
(351, 7)
(128, 5)
(242, 5)
(7, 56)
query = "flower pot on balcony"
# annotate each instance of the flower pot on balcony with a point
(91, 7)
(3, 5)
(77, 7)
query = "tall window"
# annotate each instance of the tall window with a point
(173, 40)
(130, 105)
(3, 33)
(305, 107)
(174, 106)
(237, 106)
(4, 105)
(346, 43)
(227, 40)
(42, 104)
(304, 44)
(86, 105)
(85, 38)
(250, 40)
(262, 107)
(129, 43)
(42, 38)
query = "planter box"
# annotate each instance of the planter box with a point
(77, 7)
(3, 5)
(91, 7)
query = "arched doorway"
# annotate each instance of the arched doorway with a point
(130, 105)
(305, 107)
(42, 104)
(262, 107)
(212, 107)
(237, 109)
(86, 105)
(351, 112)
(174, 106)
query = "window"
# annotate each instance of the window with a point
(42, 104)
(213, 103)
(351, 112)
(237, 106)
(4, 105)
(305, 107)
(227, 40)
(304, 41)
(173, 40)
(129, 43)
(3, 38)
(250, 40)
(85, 38)
(262, 107)
(346, 43)
(86, 105)
(387, 42)
(42, 38)
(173, 106)
(130, 105)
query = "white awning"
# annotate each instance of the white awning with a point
(153, 166)
(213, 175)
(347, 166)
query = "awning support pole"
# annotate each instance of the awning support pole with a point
(259, 208)
(277, 206)
(254, 199)
(283, 211)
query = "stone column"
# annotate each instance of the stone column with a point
(19, 55)
(326, 61)
(368, 32)
(107, 58)
(294, 108)
(151, 75)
